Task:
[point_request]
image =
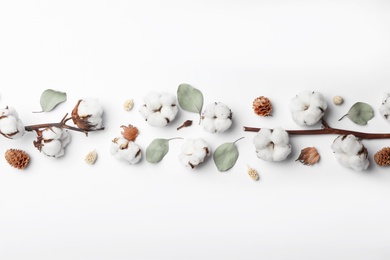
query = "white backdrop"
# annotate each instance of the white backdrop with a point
(233, 51)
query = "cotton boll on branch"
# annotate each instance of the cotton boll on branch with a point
(307, 108)
(52, 141)
(350, 152)
(272, 145)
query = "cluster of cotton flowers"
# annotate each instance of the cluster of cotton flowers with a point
(216, 118)
(159, 109)
(272, 144)
(384, 109)
(194, 152)
(125, 150)
(52, 141)
(307, 108)
(87, 114)
(350, 152)
(10, 124)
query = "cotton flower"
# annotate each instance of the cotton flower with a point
(216, 118)
(272, 145)
(194, 152)
(307, 108)
(52, 141)
(10, 124)
(159, 109)
(384, 109)
(87, 114)
(350, 152)
(125, 150)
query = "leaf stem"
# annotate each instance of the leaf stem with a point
(329, 130)
(238, 139)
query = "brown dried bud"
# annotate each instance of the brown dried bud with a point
(309, 156)
(17, 158)
(382, 157)
(262, 106)
(130, 132)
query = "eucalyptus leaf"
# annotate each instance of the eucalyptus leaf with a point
(51, 98)
(225, 156)
(190, 98)
(156, 150)
(360, 113)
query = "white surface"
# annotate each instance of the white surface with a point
(233, 51)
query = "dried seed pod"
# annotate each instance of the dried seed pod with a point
(309, 156)
(129, 132)
(338, 100)
(253, 174)
(17, 158)
(262, 106)
(91, 157)
(128, 105)
(382, 157)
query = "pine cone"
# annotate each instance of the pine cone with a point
(262, 106)
(17, 158)
(382, 157)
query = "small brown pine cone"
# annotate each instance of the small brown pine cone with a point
(262, 106)
(382, 157)
(17, 158)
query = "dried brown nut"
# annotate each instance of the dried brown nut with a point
(262, 106)
(309, 156)
(17, 158)
(382, 157)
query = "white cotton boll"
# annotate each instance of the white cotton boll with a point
(262, 138)
(222, 111)
(209, 111)
(307, 108)
(153, 101)
(281, 152)
(266, 153)
(384, 109)
(279, 136)
(208, 125)
(132, 154)
(358, 162)
(169, 112)
(145, 112)
(167, 99)
(90, 106)
(351, 145)
(52, 148)
(51, 133)
(8, 125)
(221, 125)
(158, 120)
(216, 118)
(194, 152)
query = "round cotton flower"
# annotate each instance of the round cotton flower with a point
(125, 150)
(384, 109)
(52, 141)
(272, 144)
(159, 109)
(10, 124)
(307, 108)
(216, 118)
(194, 152)
(87, 114)
(350, 152)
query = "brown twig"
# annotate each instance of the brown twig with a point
(329, 130)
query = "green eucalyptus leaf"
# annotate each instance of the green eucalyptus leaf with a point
(156, 150)
(51, 98)
(190, 98)
(360, 113)
(225, 156)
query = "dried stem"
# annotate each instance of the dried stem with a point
(329, 130)
(61, 124)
